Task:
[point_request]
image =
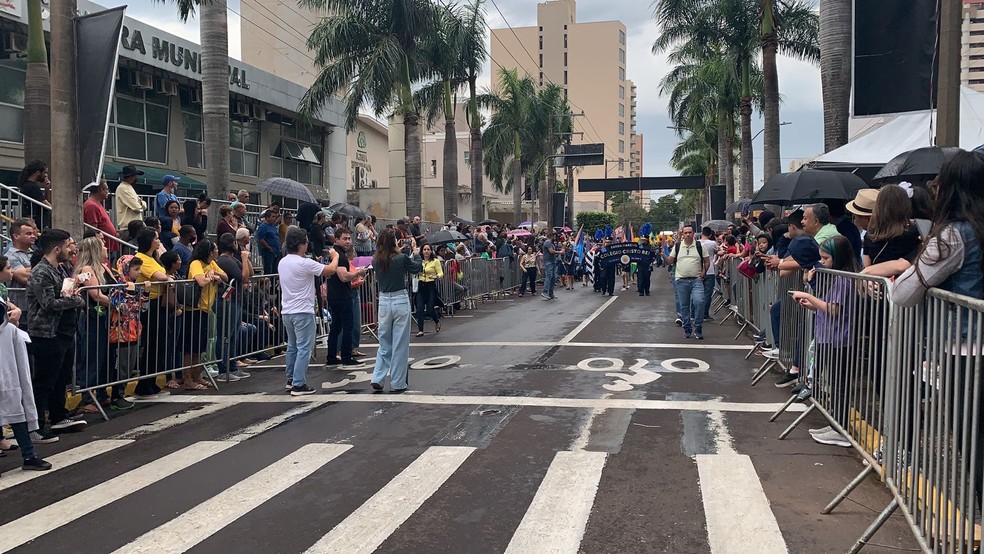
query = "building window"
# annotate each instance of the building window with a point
(138, 129)
(621, 74)
(244, 148)
(977, 81)
(433, 168)
(976, 69)
(191, 120)
(976, 33)
(541, 28)
(621, 37)
(621, 110)
(977, 19)
(621, 147)
(621, 55)
(298, 155)
(621, 128)
(977, 45)
(977, 56)
(565, 59)
(621, 165)
(541, 42)
(541, 78)
(467, 157)
(565, 40)
(541, 59)
(621, 92)
(13, 73)
(565, 77)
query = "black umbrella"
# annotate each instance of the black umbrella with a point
(446, 235)
(811, 185)
(738, 206)
(488, 222)
(289, 188)
(348, 210)
(462, 221)
(921, 163)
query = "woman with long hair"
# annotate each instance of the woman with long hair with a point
(892, 241)
(431, 271)
(196, 214)
(392, 267)
(206, 274)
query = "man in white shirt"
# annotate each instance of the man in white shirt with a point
(710, 247)
(128, 205)
(690, 263)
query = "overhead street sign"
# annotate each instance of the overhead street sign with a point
(582, 154)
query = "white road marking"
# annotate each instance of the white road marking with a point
(738, 513)
(209, 517)
(570, 336)
(62, 460)
(367, 527)
(555, 520)
(454, 400)
(170, 421)
(723, 442)
(607, 345)
(65, 511)
(267, 424)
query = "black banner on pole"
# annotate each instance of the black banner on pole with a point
(97, 41)
(624, 253)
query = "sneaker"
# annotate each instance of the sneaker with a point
(162, 392)
(241, 374)
(832, 438)
(301, 390)
(804, 394)
(771, 354)
(787, 380)
(212, 371)
(679, 322)
(290, 384)
(687, 335)
(35, 464)
(545, 297)
(821, 430)
(43, 437)
(708, 318)
(376, 386)
(798, 388)
(231, 377)
(350, 362)
(121, 404)
(68, 424)
(699, 336)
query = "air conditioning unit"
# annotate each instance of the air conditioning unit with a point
(258, 113)
(166, 87)
(240, 109)
(141, 81)
(196, 96)
(14, 43)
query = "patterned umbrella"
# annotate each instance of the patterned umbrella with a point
(289, 188)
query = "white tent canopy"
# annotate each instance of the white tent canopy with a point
(907, 132)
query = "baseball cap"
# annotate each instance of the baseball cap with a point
(168, 178)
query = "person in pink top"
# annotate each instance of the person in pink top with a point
(95, 214)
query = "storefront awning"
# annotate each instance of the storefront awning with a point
(152, 176)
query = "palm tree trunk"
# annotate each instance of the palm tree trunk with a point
(728, 159)
(66, 197)
(517, 184)
(745, 111)
(213, 25)
(37, 90)
(411, 130)
(478, 194)
(450, 173)
(770, 148)
(835, 70)
(546, 197)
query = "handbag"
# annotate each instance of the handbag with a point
(189, 294)
(746, 268)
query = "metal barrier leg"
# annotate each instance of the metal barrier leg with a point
(796, 423)
(753, 350)
(727, 317)
(741, 330)
(763, 370)
(783, 408)
(875, 526)
(868, 468)
(95, 402)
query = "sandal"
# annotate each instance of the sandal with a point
(420, 333)
(196, 386)
(173, 384)
(89, 409)
(438, 330)
(358, 353)
(206, 384)
(6, 445)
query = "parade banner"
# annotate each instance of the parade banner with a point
(624, 253)
(97, 39)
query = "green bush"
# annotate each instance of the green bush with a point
(592, 221)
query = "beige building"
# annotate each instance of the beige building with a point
(274, 38)
(972, 62)
(367, 150)
(589, 60)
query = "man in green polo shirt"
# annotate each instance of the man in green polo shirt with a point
(817, 222)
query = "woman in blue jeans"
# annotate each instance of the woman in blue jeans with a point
(392, 267)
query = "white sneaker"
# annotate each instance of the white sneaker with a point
(212, 371)
(231, 377)
(821, 431)
(68, 424)
(771, 354)
(832, 438)
(241, 374)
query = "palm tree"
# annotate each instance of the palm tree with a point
(371, 52)
(37, 90)
(789, 27)
(214, 30)
(550, 128)
(835, 70)
(512, 107)
(473, 54)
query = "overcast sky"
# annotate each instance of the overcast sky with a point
(799, 82)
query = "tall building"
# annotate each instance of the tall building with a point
(972, 42)
(588, 59)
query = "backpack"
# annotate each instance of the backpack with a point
(676, 249)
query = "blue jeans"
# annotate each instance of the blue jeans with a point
(690, 294)
(709, 281)
(356, 321)
(393, 354)
(300, 343)
(549, 276)
(23, 437)
(270, 262)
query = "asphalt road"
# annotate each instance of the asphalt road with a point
(583, 424)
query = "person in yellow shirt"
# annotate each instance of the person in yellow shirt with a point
(427, 289)
(154, 318)
(206, 274)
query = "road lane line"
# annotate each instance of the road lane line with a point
(267, 424)
(370, 525)
(570, 336)
(61, 461)
(737, 511)
(607, 345)
(556, 518)
(204, 520)
(170, 421)
(65, 511)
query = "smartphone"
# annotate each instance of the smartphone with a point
(791, 292)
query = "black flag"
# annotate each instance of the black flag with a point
(97, 41)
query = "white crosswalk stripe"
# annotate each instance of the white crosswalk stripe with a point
(209, 517)
(60, 513)
(62, 460)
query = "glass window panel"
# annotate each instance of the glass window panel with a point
(276, 167)
(236, 162)
(294, 150)
(11, 86)
(159, 99)
(195, 155)
(157, 119)
(316, 175)
(308, 154)
(251, 138)
(11, 124)
(130, 112)
(192, 126)
(290, 169)
(317, 153)
(111, 141)
(235, 135)
(131, 144)
(251, 164)
(303, 173)
(157, 148)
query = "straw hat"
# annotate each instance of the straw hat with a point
(864, 202)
